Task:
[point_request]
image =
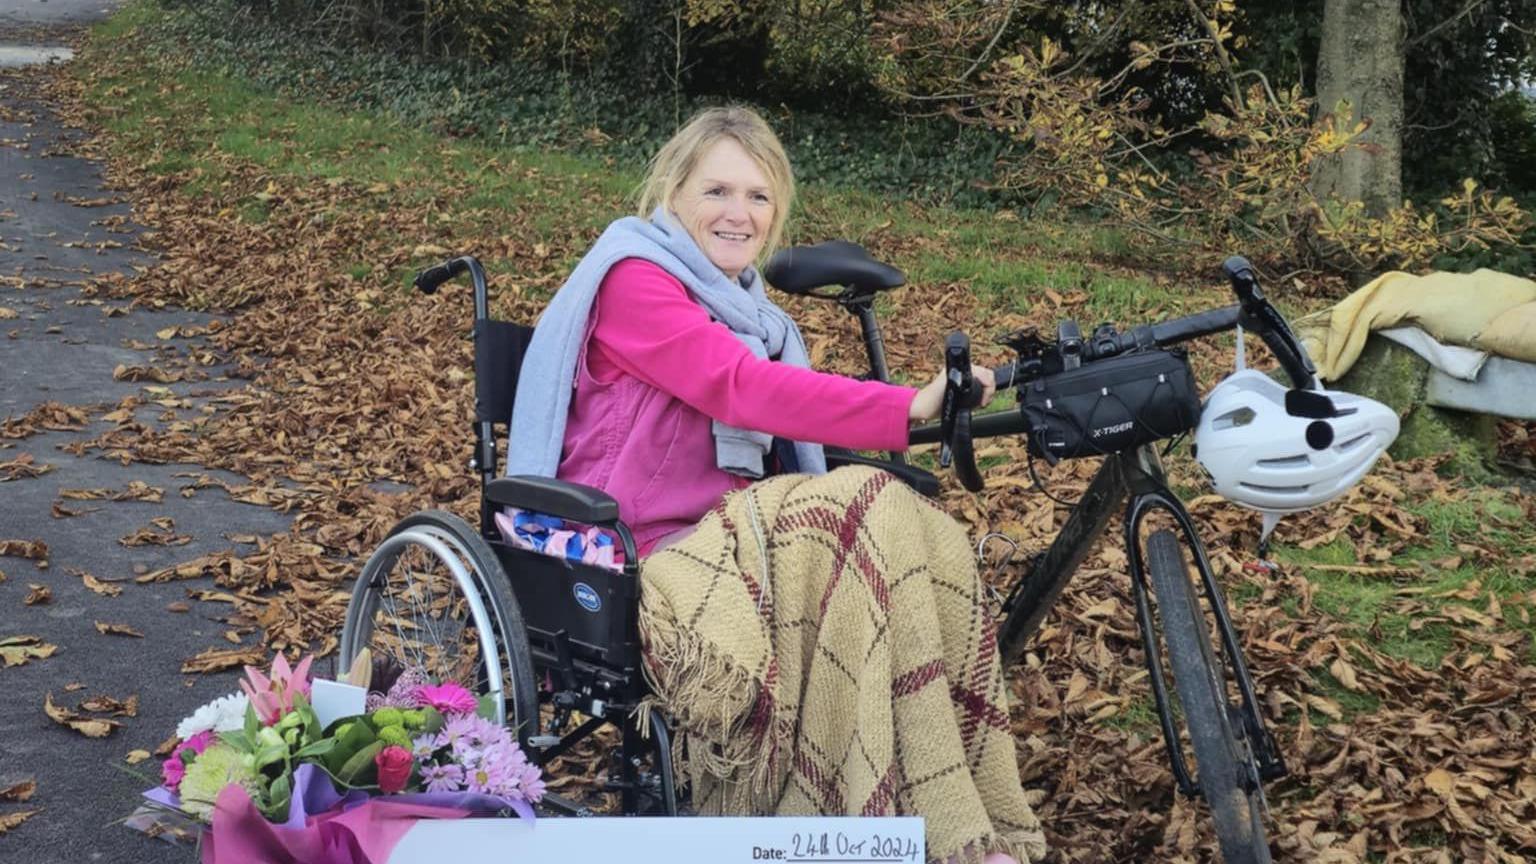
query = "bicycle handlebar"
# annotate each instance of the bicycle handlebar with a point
(1252, 312)
(1260, 316)
(1160, 335)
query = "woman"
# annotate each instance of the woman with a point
(654, 355)
(662, 374)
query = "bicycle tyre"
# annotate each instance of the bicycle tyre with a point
(1223, 758)
(489, 607)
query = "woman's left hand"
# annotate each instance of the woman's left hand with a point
(930, 400)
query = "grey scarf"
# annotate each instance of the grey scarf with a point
(549, 369)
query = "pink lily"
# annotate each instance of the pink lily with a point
(273, 697)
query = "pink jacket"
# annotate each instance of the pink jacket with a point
(656, 370)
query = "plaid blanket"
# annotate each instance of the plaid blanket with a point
(823, 646)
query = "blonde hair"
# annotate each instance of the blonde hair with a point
(677, 158)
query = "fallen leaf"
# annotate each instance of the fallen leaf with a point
(218, 659)
(22, 466)
(107, 705)
(105, 589)
(1345, 673)
(38, 595)
(19, 792)
(154, 537)
(1441, 782)
(145, 373)
(1325, 706)
(35, 550)
(137, 490)
(177, 606)
(59, 511)
(108, 629)
(90, 727)
(10, 820)
(16, 651)
(134, 757)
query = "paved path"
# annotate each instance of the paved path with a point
(56, 345)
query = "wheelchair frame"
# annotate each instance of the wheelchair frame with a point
(581, 622)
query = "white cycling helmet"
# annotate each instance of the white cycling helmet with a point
(1260, 455)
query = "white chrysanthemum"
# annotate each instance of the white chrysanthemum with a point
(224, 714)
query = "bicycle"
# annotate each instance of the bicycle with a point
(1234, 750)
(563, 634)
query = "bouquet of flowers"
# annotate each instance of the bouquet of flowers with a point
(261, 771)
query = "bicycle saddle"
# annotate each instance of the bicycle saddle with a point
(803, 269)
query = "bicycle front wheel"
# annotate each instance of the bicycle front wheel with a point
(1225, 769)
(433, 598)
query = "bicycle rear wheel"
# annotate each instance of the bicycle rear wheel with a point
(433, 597)
(1226, 772)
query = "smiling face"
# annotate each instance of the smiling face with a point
(727, 205)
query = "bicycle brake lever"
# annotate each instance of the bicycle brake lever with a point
(960, 395)
(957, 383)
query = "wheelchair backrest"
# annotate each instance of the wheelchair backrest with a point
(499, 350)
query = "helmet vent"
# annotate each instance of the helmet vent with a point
(1234, 418)
(1301, 461)
(1275, 490)
(1352, 443)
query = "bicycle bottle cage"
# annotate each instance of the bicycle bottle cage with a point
(1105, 406)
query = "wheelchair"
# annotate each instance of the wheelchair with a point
(547, 640)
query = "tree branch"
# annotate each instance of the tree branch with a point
(1099, 43)
(980, 58)
(1221, 52)
(1465, 11)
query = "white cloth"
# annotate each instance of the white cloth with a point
(1454, 360)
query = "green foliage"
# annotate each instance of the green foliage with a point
(590, 112)
(1460, 62)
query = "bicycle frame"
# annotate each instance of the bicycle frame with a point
(1135, 477)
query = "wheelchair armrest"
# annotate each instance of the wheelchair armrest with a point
(922, 482)
(571, 501)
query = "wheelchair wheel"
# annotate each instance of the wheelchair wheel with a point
(434, 597)
(1227, 775)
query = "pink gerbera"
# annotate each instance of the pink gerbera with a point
(449, 697)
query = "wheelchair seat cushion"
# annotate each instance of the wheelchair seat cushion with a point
(852, 671)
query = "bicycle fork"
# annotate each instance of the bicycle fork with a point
(1149, 493)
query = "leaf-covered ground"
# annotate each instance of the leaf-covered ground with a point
(1391, 645)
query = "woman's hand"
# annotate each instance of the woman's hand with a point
(930, 400)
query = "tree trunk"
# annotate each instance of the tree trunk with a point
(1361, 61)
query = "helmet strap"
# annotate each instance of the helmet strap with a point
(1242, 353)
(1271, 519)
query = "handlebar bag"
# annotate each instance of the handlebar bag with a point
(1109, 405)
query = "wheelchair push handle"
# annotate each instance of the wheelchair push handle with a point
(432, 278)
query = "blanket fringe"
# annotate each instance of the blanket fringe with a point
(714, 699)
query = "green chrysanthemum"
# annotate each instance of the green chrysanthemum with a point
(217, 767)
(395, 735)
